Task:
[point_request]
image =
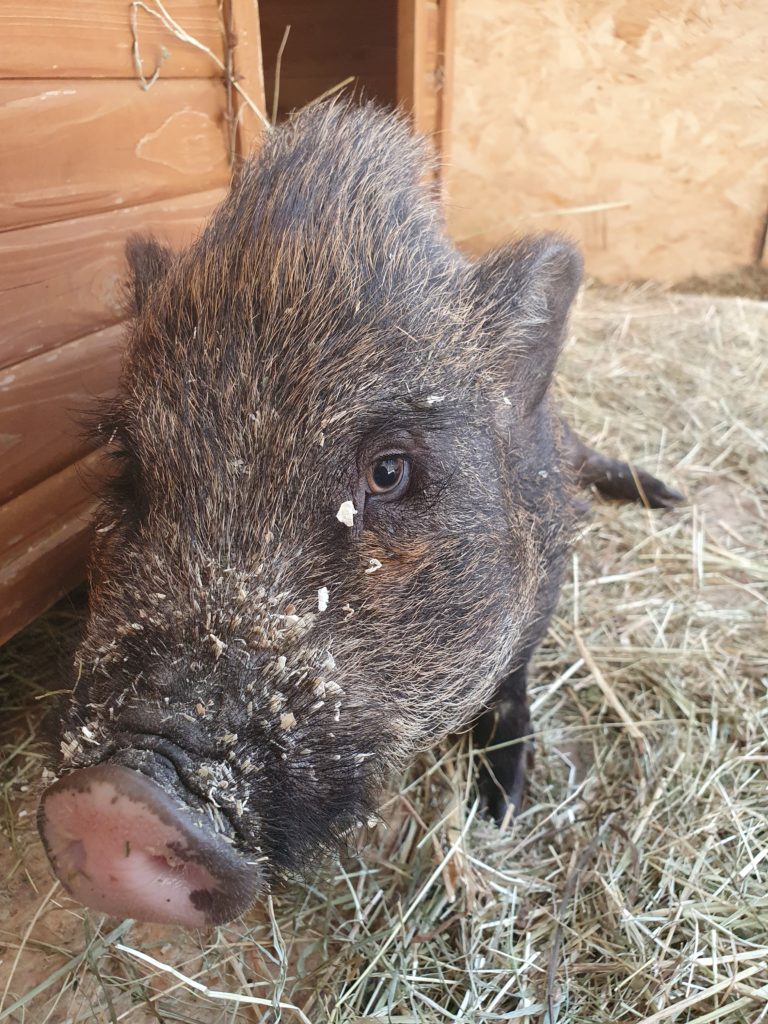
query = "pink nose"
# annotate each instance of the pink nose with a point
(119, 844)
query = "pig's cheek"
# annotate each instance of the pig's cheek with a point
(398, 560)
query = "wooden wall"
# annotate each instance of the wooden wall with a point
(640, 127)
(88, 157)
(91, 155)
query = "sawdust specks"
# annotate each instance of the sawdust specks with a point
(347, 513)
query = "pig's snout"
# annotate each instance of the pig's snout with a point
(119, 844)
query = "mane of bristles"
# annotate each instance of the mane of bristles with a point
(334, 212)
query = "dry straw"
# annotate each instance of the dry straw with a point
(633, 887)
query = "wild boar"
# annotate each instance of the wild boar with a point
(335, 532)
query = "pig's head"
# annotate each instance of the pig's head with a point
(324, 536)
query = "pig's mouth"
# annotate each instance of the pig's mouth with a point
(130, 837)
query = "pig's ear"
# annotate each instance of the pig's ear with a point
(147, 261)
(524, 292)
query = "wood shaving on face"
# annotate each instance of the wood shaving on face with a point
(346, 513)
(322, 599)
(374, 566)
(217, 646)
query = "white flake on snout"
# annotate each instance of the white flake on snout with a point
(287, 721)
(374, 566)
(346, 513)
(323, 687)
(435, 399)
(217, 646)
(322, 599)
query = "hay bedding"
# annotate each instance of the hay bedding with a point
(633, 888)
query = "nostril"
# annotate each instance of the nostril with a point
(119, 844)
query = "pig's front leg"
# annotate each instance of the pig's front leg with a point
(504, 732)
(614, 478)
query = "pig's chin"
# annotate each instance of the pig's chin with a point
(121, 843)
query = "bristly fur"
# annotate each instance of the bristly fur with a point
(321, 321)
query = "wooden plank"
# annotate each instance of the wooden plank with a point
(62, 39)
(63, 280)
(425, 66)
(100, 145)
(45, 535)
(42, 403)
(247, 66)
(444, 73)
(411, 57)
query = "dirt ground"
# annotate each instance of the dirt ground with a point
(633, 888)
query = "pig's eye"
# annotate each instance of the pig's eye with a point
(389, 476)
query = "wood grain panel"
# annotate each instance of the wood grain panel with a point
(42, 402)
(62, 39)
(425, 66)
(45, 535)
(248, 67)
(72, 148)
(63, 280)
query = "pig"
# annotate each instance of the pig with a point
(333, 532)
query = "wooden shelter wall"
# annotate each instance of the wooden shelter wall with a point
(639, 128)
(88, 158)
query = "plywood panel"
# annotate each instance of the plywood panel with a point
(71, 148)
(63, 280)
(640, 128)
(45, 534)
(42, 403)
(64, 39)
(417, 82)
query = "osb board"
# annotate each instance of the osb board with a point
(655, 111)
(66, 39)
(44, 539)
(77, 147)
(42, 405)
(327, 43)
(63, 280)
